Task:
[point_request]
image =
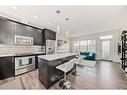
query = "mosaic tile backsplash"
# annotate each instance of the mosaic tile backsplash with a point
(19, 49)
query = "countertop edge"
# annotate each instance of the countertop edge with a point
(13, 54)
(46, 57)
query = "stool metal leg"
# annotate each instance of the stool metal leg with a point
(74, 72)
(65, 84)
(65, 76)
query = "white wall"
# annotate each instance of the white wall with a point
(116, 38)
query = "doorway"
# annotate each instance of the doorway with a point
(106, 49)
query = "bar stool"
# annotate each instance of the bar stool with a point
(77, 62)
(66, 67)
(80, 60)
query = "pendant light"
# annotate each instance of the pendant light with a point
(67, 26)
(58, 24)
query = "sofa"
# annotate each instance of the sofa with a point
(88, 55)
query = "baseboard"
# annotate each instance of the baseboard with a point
(104, 60)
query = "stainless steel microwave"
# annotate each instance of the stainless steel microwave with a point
(24, 40)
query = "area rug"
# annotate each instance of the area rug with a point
(88, 63)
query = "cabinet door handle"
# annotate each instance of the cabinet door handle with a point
(13, 59)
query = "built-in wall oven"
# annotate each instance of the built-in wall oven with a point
(24, 64)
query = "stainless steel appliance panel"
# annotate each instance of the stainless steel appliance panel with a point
(50, 46)
(24, 64)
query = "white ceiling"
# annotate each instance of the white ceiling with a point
(82, 19)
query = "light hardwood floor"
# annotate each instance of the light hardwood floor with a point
(105, 75)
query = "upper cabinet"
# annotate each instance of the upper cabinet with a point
(28, 31)
(49, 34)
(38, 37)
(23, 34)
(17, 28)
(22, 30)
(43, 38)
(12, 32)
(6, 33)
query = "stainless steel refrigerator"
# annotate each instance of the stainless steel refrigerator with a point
(50, 46)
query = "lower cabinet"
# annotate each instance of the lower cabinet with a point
(36, 60)
(7, 67)
(48, 74)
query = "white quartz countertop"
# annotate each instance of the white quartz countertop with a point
(51, 57)
(13, 54)
(4, 55)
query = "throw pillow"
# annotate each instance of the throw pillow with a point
(90, 54)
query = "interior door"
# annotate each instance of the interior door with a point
(106, 50)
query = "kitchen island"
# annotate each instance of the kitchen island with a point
(48, 74)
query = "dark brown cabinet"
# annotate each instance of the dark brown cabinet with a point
(22, 30)
(6, 33)
(48, 74)
(49, 34)
(9, 28)
(36, 60)
(27, 31)
(38, 37)
(43, 38)
(7, 67)
(17, 28)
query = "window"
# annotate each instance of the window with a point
(85, 45)
(91, 45)
(76, 46)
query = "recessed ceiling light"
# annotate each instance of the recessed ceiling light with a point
(14, 7)
(35, 17)
(48, 22)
